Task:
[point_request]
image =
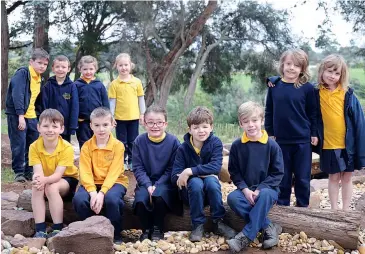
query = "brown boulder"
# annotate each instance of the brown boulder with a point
(224, 175)
(17, 222)
(7, 205)
(9, 196)
(91, 236)
(30, 242)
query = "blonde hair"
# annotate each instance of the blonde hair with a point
(123, 55)
(248, 108)
(300, 58)
(101, 112)
(61, 58)
(88, 60)
(336, 62)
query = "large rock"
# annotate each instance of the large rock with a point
(315, 200)
(318, 184)
(9, 196)
(30, 242)
(91, 236)
(224, 175)
(7, 205)
(17, 222)
(360, 203)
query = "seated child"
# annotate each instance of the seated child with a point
(153, 158)
(103, 183)
(256, 168)
(197, 165)
(55, 175)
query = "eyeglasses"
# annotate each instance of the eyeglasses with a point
(158, 124)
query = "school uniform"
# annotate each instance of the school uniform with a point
(23, 99)
(92, 94)
(201, 191)
(127, 111)
(65, 99)
(341, 130)
(63, 155)
(152, 165)
(291, 116)
(256, 165)
(101, 169)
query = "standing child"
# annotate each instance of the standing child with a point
(341, 129)
(153, 158)
(55, 175)
(290, 118)
(103, 183)
(60, 93)
(127, 104)
(197, 165)
(256, 167)
(92, 94)
(23, 105)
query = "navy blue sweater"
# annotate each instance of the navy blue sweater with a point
(291, 113)
(255, 165)
(65, 99)
(19, 93)
(209, 162)
(91, 96)
(152, 162)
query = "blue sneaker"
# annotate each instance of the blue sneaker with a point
(40, 234)
(53, 233)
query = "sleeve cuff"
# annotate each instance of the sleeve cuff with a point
(104, 189)
(241, 186)
(19, 112)
(91, 188)
(195, 171)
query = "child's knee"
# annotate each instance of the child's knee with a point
(51, 190)
(346, 177)
(37, 193)
(334, 177)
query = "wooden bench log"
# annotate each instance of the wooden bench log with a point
(339, 226)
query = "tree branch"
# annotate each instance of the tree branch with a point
(14, 6)
(20, 46)
(182, 21)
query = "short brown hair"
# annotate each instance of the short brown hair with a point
(52, 115)
(248, 108)
(61, 58)
(156, 109)
(39, 53)
(101, 112)
(87, 60)
(200, 115)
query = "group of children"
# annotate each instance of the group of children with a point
(261, 162)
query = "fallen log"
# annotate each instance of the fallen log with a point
(339, 226)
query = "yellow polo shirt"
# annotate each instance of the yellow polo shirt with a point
(126, 95)
(63, 155)
(102, 166)
(264, 138)
(35, 88)
(332, 108)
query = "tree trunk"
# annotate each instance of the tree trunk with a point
(41, 27)
(4, 53)
(337, 225)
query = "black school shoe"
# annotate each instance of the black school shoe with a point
(196, 234)
(157, 234)
(146, 234)
(238, 243)
(270, 235)
(20, 178)
(220, 228)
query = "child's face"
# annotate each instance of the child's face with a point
(124, 66)
(39, 65)
(49, 130)
(200, 132)
(290, 69)
(331, 76)
(155, 124)
(60, 68)
(88, 70)
(102, 126)
(252, 125)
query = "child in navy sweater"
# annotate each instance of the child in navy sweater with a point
(197, 165)
(256, 168)
(92, 94)
(153, 158)
(61, 93)
(290, 118)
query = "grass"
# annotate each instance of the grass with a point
(359, 74)
(244, 80)
(7, 175)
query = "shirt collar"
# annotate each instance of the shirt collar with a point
(33, 73)
(197, 150)
(109, 146)
(127, 82)
(88, 80)
(338, 88)
(41, 149)
(264, 138)
(159, 139)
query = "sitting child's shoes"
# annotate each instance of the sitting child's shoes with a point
(146, 234)
(220, 228)
(238, 243)
(197, 234)
(53, 233)
(157, 234)
(271, 235)
(40, 234)
(117, 241)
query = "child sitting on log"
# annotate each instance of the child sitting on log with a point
(256, 168)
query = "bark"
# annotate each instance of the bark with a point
(4, 53)
(340, 226)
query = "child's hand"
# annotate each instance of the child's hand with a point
(22, 123)
(249, 195)
(256, 194)
(41, 182)
(151, 189)
(314, 141)
(141, 119)
(92, 199)
(182, 181)
(99, 201)
(273, 137)
(269, 84)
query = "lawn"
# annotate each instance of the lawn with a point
(359, 74)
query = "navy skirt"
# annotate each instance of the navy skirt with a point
(166, 192)
(334, 161)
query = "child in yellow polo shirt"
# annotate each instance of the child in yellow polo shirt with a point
(341, 129)
(126, 98)
(55, 175)
(103, 183)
